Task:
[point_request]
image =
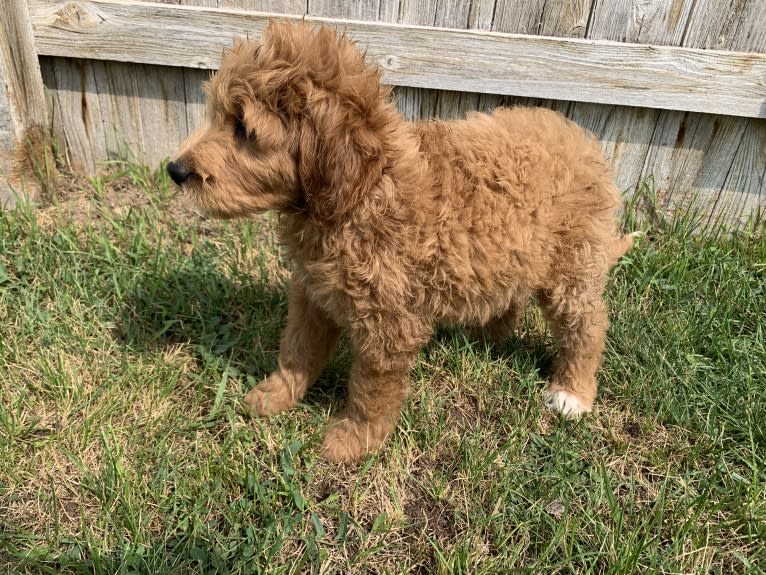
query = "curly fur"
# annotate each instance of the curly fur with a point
(396, 227)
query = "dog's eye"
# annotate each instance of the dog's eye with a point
(241, 132)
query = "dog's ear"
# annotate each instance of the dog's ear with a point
(340, 160)
(335, 101)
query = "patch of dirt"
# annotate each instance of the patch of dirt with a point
(436, 518)
(53, 493)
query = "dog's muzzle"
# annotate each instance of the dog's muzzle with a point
(178, 172)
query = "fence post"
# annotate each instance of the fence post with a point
(26, 159)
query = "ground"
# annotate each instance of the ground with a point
(131, 326)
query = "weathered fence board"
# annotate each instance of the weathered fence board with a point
(24, 128)
(482, 12)
(194, 96)
(627, 132)
(428, 103)
(543, 18)
(83, 132)
(360, 10)
(659, 22)
(695, 156)
(602, 72)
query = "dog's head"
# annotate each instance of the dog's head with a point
(296, 122)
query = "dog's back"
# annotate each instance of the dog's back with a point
(529, 157)
(516, 198)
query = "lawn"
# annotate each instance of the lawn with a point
(131, 327)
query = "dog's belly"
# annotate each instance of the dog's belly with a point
(484, 261)
(480, 312)
(475, 289)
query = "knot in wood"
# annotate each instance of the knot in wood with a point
(76, 16)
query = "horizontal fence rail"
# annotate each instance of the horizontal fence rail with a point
(665, 77)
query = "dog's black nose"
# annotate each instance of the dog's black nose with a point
(179, 172)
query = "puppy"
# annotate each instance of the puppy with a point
(396, 227)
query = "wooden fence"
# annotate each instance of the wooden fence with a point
(674, 89)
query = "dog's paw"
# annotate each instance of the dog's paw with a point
(269, 397)
(565, 403)
(347, 440)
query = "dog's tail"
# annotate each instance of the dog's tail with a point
(622, 246)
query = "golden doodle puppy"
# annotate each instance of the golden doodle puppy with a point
(396, 227)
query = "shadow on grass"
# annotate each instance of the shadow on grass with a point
(529, 351)
(228, 323)
(199, 306)
(204, 308)
(182, 554)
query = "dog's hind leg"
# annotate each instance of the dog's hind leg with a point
(308, 341)
(577, 317)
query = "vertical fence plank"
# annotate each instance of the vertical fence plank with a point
(162, 121)
(277, 7)
(417, 103)
(481, 14)
(744, 189)
(163, 111)
(519, 16)
(646, 22)
(563, 19)
(368, 10)
(76, 112)
(193, 79)
(117, 87)
(450, 105)
(58, 132)
(627, 137)
(713, 23)
(24, 126)
(566, 18)
(194, 95)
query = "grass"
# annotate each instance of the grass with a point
(130, 328)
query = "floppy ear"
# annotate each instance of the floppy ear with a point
(322, 86)
(340, 158)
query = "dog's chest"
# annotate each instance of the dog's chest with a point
(323, 284)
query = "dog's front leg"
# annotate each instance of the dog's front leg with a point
(308, 341)
(375, 396)
(377, 385)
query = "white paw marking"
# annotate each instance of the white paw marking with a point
(565, 403)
